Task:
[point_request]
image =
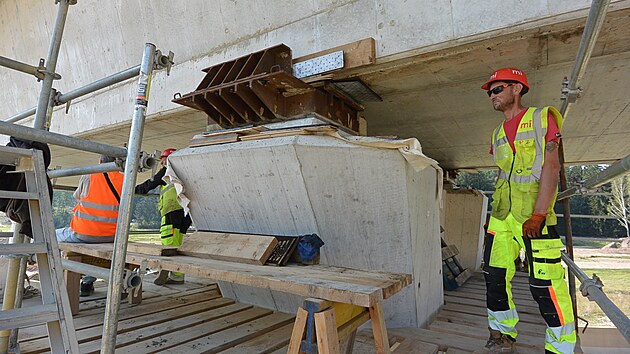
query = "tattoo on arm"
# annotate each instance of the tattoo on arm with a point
(551, 146)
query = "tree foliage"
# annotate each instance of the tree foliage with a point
(144, 214)
(620, 202)
(587, 204)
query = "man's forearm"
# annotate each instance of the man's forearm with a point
(548, 179)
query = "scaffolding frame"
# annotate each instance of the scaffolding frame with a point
(133, 158)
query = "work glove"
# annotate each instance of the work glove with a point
(532, 227)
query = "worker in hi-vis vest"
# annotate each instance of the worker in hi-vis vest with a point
(174, 223)
(96, 213)
(525, 148)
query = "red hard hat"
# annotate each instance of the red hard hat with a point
(167, 152)
(508, 74)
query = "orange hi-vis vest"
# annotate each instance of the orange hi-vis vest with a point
(95, 215)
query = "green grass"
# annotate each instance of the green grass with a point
(589, 243)
(145, 237)
(616, 287)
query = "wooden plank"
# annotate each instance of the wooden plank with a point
(524, 308)
(356, 54)
(29, 316)
(482, 322)
(379, 329)
(299, 327)
(251, 249)
(463, 277)
(324, 282)
(535, 341)
(233, 336)
(205, 140)
(326, 332)
(152, 249)
(449, 251)
(266, 343)
(480, 310)
(191, 334)
(289, 132)
(73, 283)
(168, 324)
(94, 329)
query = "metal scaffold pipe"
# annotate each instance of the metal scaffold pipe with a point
(99, 84)
(43, 136)
(51, 65)
(119, 255)
(22, 67)
(83, 90)
(84, 170)
(593, 291)
(613, 171)
(594, 23)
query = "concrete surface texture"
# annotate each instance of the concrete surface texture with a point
(372, 210)
(432, 57)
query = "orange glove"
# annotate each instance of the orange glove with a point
(532, 227)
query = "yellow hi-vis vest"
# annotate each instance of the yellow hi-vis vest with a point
(516, 189)
(168, 200)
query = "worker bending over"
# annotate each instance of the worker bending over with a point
(525, 148)
(174, 223)
(95, 214)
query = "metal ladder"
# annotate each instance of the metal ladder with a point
(55, 308)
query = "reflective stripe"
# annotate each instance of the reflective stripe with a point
(497, 321)
(524, 179)
(503, 175)
(164, 190)
(539, 139)
(547, 260)
(98, 206)
(495, 144)
(90, 217)
(557, 337)
(530, 134)
(502, 141)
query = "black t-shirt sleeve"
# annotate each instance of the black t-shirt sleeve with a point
(146, 186)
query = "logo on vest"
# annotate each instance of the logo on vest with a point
(526, 124)
(519, 171)
(540, 272)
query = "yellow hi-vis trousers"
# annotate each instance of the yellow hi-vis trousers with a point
(504, 240)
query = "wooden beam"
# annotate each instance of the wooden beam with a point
(379, 329)
(298, 331)
(152, 249)
(355, 54)
(326, 330)
(338, 284)
(252, 249)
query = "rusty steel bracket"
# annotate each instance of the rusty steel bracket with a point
(260, 88)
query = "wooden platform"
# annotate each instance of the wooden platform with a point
(461, 325)
(194, 318)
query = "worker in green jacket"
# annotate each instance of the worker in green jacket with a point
(525, 149)
(174, 223)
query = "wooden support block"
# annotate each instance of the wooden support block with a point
(73, 283)
(355, 54)
(463, 276)
(326, 330)
(298, 331)
(241, 248)
(152, 249)
(379, 329)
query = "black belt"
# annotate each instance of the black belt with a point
(548, 260)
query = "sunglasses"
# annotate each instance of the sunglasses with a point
(497, 90)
